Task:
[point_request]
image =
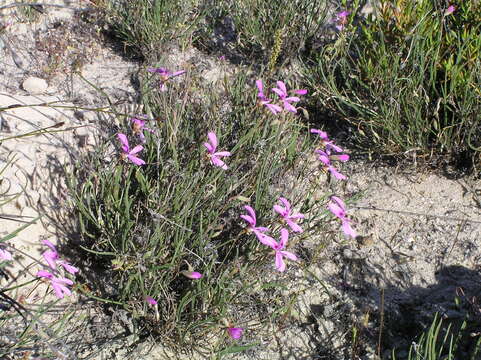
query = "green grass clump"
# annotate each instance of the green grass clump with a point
(150, 27)
(443, 342)
(144, 226)
(407, 79)
(262, 31)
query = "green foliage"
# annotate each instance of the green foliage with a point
(442, 342)
(149, 27)
(262, 30)
(148, 224)
(408, 79)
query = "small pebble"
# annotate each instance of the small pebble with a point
(35, 85)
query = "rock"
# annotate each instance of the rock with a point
(35, 85)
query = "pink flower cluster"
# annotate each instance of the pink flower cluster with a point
(284, 98)
(326, 155)
(165, 75)
(287, 217)
(58, 283)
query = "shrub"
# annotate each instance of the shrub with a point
(408, 79)
(149, 226)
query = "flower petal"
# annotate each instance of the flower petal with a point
(209, 147)
(265, 239)
(213, 139)
(284, 238)
(292, 99)
(50, 257)
(280, 264)
(251, 212)
(222, 153)
(294, 227)
(286, 204)
(280, 210)
(249, 219)
(218, 162)
(336, 173)
(348, 230)
(5, 255)
(235, 333)
(282, 87)
(260, 87)
(49, 244)
(44, 273)
(71, 269)
(136, 150)
(289, 255)
(275, 109)
(289, 107)
(136, 160)
(151, 300)
(123, 140)
(177, 73)
(194, 275)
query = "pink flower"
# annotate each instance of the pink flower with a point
(151, 300)
(263, 100)
(138, 127)
(325, 157)
(285, 212)
(71, 269)
(213, 155)
(449, 10)
(52, 258)
(165, 75)
(280, 252)
(338, 208)
(341, 19)
(58, 284)
(281, 90)
(194, 275)
(49, 244)
(130, 154)
(234, 332)
(5, 255)
(257, 230)
(326, 142)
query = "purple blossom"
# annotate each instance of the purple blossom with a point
(449, 10)
(280, 252)
(326, 142)
(213, 155)
(263, 100)
(130, 154)
(194, 275)
(341, 20)
(165, 75)
(289, 218)
(338, 208)
(138, 127)
(58, 284)
(281, 90)
(151, 300)
(5, 255)
(235, 332)
(52, 258)
(325, 157)
(257, 230)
